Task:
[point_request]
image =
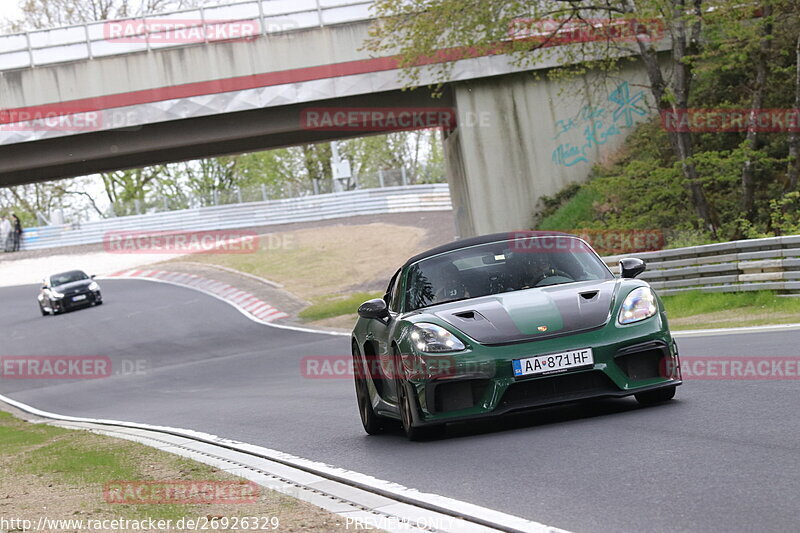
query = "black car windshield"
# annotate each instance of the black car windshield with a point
(67, 277)
(503, 266)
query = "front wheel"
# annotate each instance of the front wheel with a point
(406, 407)
(655, 396)
(415, 433)
(41, 309)
(373, 424)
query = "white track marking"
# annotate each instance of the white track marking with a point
(466, 517)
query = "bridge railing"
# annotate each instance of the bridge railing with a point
(233, 21)
(749, 265)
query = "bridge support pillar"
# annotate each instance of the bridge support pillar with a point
(520, 138)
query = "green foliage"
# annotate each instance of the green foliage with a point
(645, 189)
(785, 214)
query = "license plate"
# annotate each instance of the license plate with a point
(79, 298)
(553, 362)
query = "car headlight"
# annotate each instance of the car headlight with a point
(93, 286)
(55, 294)
(431, 338)
(639, 305)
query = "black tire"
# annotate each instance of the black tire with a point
(655, 396)
(373, 424)
(44, 313)
(405, 405)
(99, 302)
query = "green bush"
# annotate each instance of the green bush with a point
(645, 189)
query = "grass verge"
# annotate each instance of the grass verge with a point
(337, 305)
(576, 212)
(699, 310)
(314, 262)
(60, 475)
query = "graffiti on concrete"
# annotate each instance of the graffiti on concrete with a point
(599, 124)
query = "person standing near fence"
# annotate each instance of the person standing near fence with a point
(17, 231)
(5, 234)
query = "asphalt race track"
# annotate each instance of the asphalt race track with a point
(724, 456)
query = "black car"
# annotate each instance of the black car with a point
(67, 291)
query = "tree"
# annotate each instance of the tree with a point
(793, 168)
(39, 14)
(36, 203)
(126, 190)
(426, 32)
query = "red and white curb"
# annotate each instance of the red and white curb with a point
(245, 301)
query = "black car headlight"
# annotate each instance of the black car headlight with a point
(431, 338)
(639, 305)
(56, 294)
(94, 287)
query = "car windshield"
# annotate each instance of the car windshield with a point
(503, 266)
(67, 277)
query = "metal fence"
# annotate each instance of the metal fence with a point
(179, 199)
(751, 265)
(433, 197)
(150, 32)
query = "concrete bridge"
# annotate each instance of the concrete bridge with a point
(274, 73)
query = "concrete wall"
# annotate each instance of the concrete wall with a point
(520, 138)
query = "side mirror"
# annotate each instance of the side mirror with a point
(376, 308)
(630, 267)
(44, 287)
(93, 276)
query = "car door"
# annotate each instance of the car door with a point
(380, 333)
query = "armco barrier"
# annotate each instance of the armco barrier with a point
(433, 197)
(752, 265)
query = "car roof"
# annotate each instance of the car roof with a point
(481, 239)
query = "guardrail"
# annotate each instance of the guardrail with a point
(149, 32)
(432, 197)
(750, 265)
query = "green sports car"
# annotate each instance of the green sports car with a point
(499, 323)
